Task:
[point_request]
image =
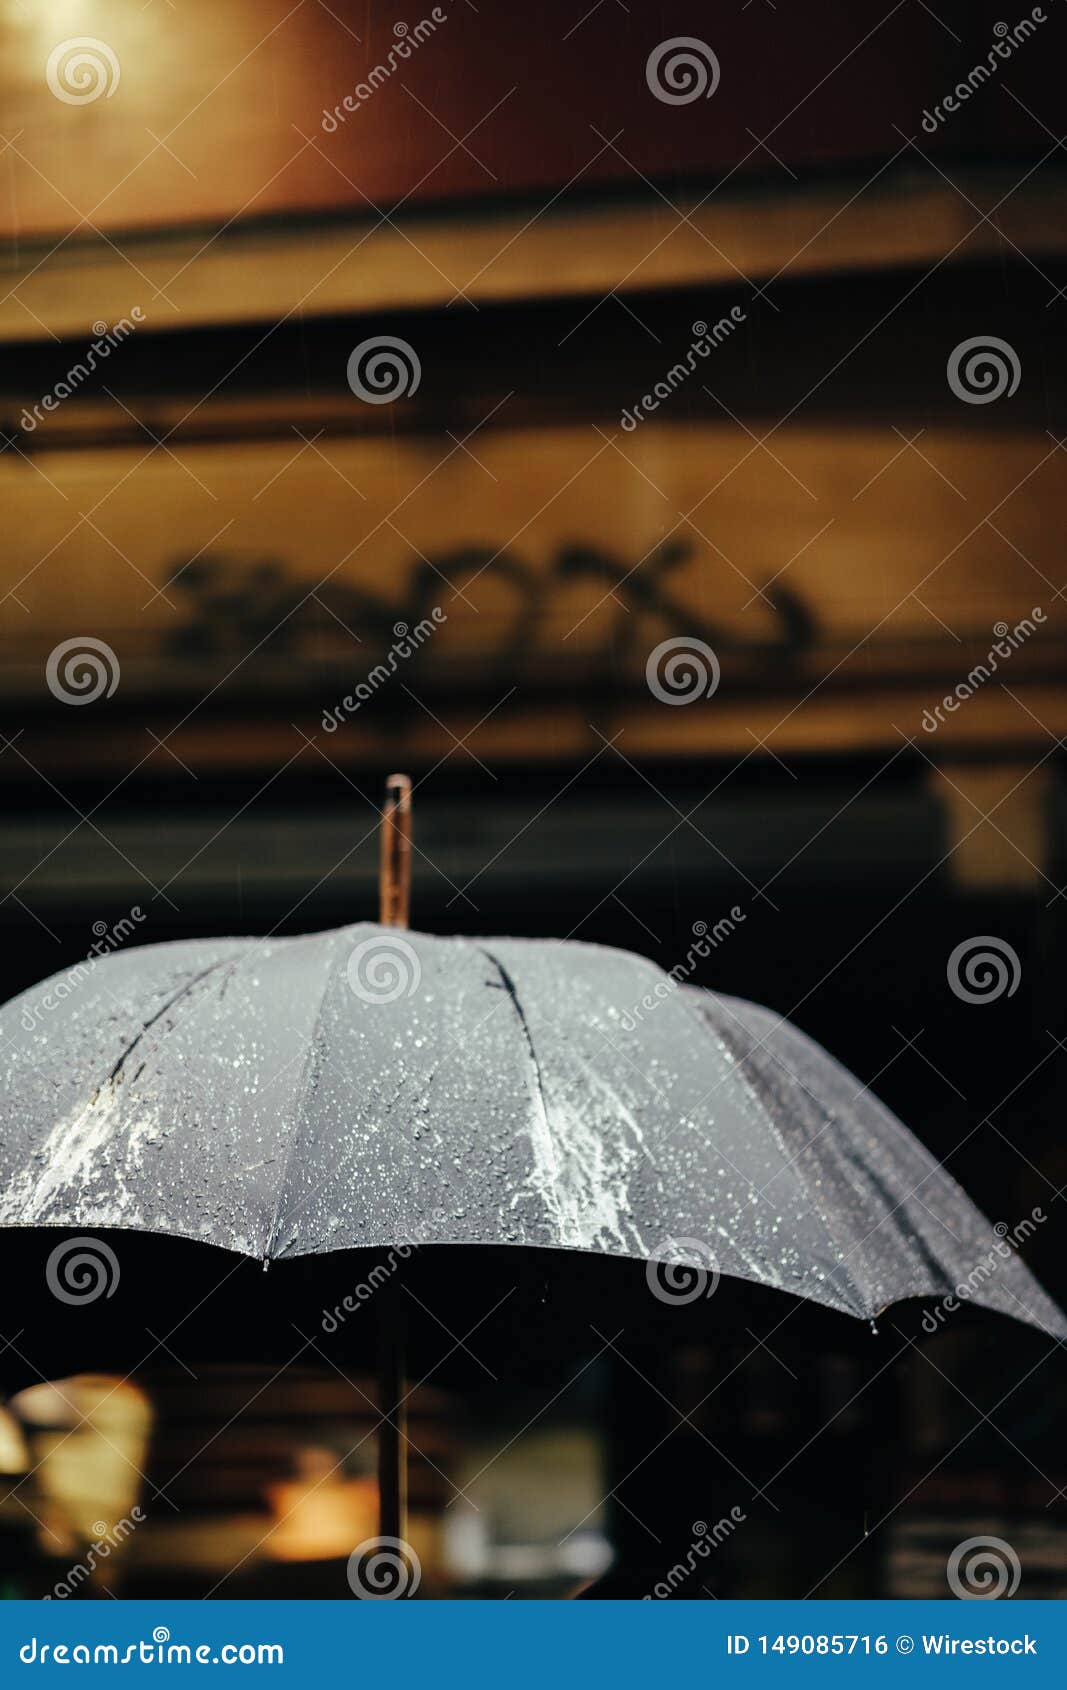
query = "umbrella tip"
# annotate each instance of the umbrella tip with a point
(394, 878)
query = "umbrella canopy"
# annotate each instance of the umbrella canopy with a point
(366, 1087)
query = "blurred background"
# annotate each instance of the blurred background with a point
(217, 529)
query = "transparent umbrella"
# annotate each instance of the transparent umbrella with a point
(374, 1087)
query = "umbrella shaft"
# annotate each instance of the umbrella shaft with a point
(392, 1429)
(394, 879)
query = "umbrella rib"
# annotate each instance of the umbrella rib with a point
(183, 992)
(512, 991)
(752, 1080)
(283, 1183)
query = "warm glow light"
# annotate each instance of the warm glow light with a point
(14, 1456)
(89, 1439)
(320, 1514)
